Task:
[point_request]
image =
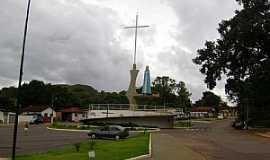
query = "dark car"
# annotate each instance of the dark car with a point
(112, 131)
(37, 119)
(237, 124)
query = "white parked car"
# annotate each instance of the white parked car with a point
(220, 116)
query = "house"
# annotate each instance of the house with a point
(6, 117)
(202, 112)
(228, 111)
(71, 114)
(45, 111)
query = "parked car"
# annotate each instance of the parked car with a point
(37, 119)
(237, 124)
(220, 116)
(112, 131)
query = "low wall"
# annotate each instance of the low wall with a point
(160, 121)
(122, 113)
(25, 118)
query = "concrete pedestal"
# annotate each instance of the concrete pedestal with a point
(131, 93)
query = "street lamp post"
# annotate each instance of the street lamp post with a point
(18, 108)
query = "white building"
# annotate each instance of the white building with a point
(202, 112)
(6, 117)
(71, 114)
(45, 111)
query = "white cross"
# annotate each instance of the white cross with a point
(136, 28)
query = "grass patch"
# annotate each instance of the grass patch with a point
(105, 150)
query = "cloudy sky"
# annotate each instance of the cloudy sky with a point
(83, 41)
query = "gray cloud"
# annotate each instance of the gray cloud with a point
(70, 41)
(197, 22)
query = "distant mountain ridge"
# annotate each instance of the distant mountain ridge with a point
(79, 88)
(59, 95)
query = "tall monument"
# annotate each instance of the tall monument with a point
(146, 90)
(131, 92)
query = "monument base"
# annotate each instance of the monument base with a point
(131, 93)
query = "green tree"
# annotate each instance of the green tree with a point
(183, 98)
(165, 86)
(209, 99)
(7, 103)
(61, 96)
(242, 54)
(10, 92)
(8, 98)
(35, 93)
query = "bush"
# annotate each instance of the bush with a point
(77, 146)
(92, 144)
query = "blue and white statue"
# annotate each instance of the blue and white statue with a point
(146, 90)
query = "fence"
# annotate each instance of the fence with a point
(155, 108)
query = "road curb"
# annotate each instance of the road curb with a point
(149, 131)
(77, 130)
(263, 135)
(69, 130)
(207, 122)
(182, 127)
(145, 155)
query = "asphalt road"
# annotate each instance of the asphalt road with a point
(214, 141)
(38, 139)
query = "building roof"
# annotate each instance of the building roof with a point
(202, 109)
(35, 108)
(2, 109)
(71, 110)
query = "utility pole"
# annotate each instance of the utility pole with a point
(18, 108)
(247, 114)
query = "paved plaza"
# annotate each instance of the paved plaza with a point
(214, 141)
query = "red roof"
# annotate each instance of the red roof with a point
(202, 109)
(71, 110)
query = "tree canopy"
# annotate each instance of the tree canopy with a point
(39, 93)
(209, 99)
(63, 95)
(183, 95)
(165, 87)
(172, 93)
(242, 55)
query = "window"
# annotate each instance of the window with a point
(76, 114)
(114, 129)
(106, 128)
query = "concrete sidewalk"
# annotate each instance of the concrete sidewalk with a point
(166, 147)
(265, 134)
